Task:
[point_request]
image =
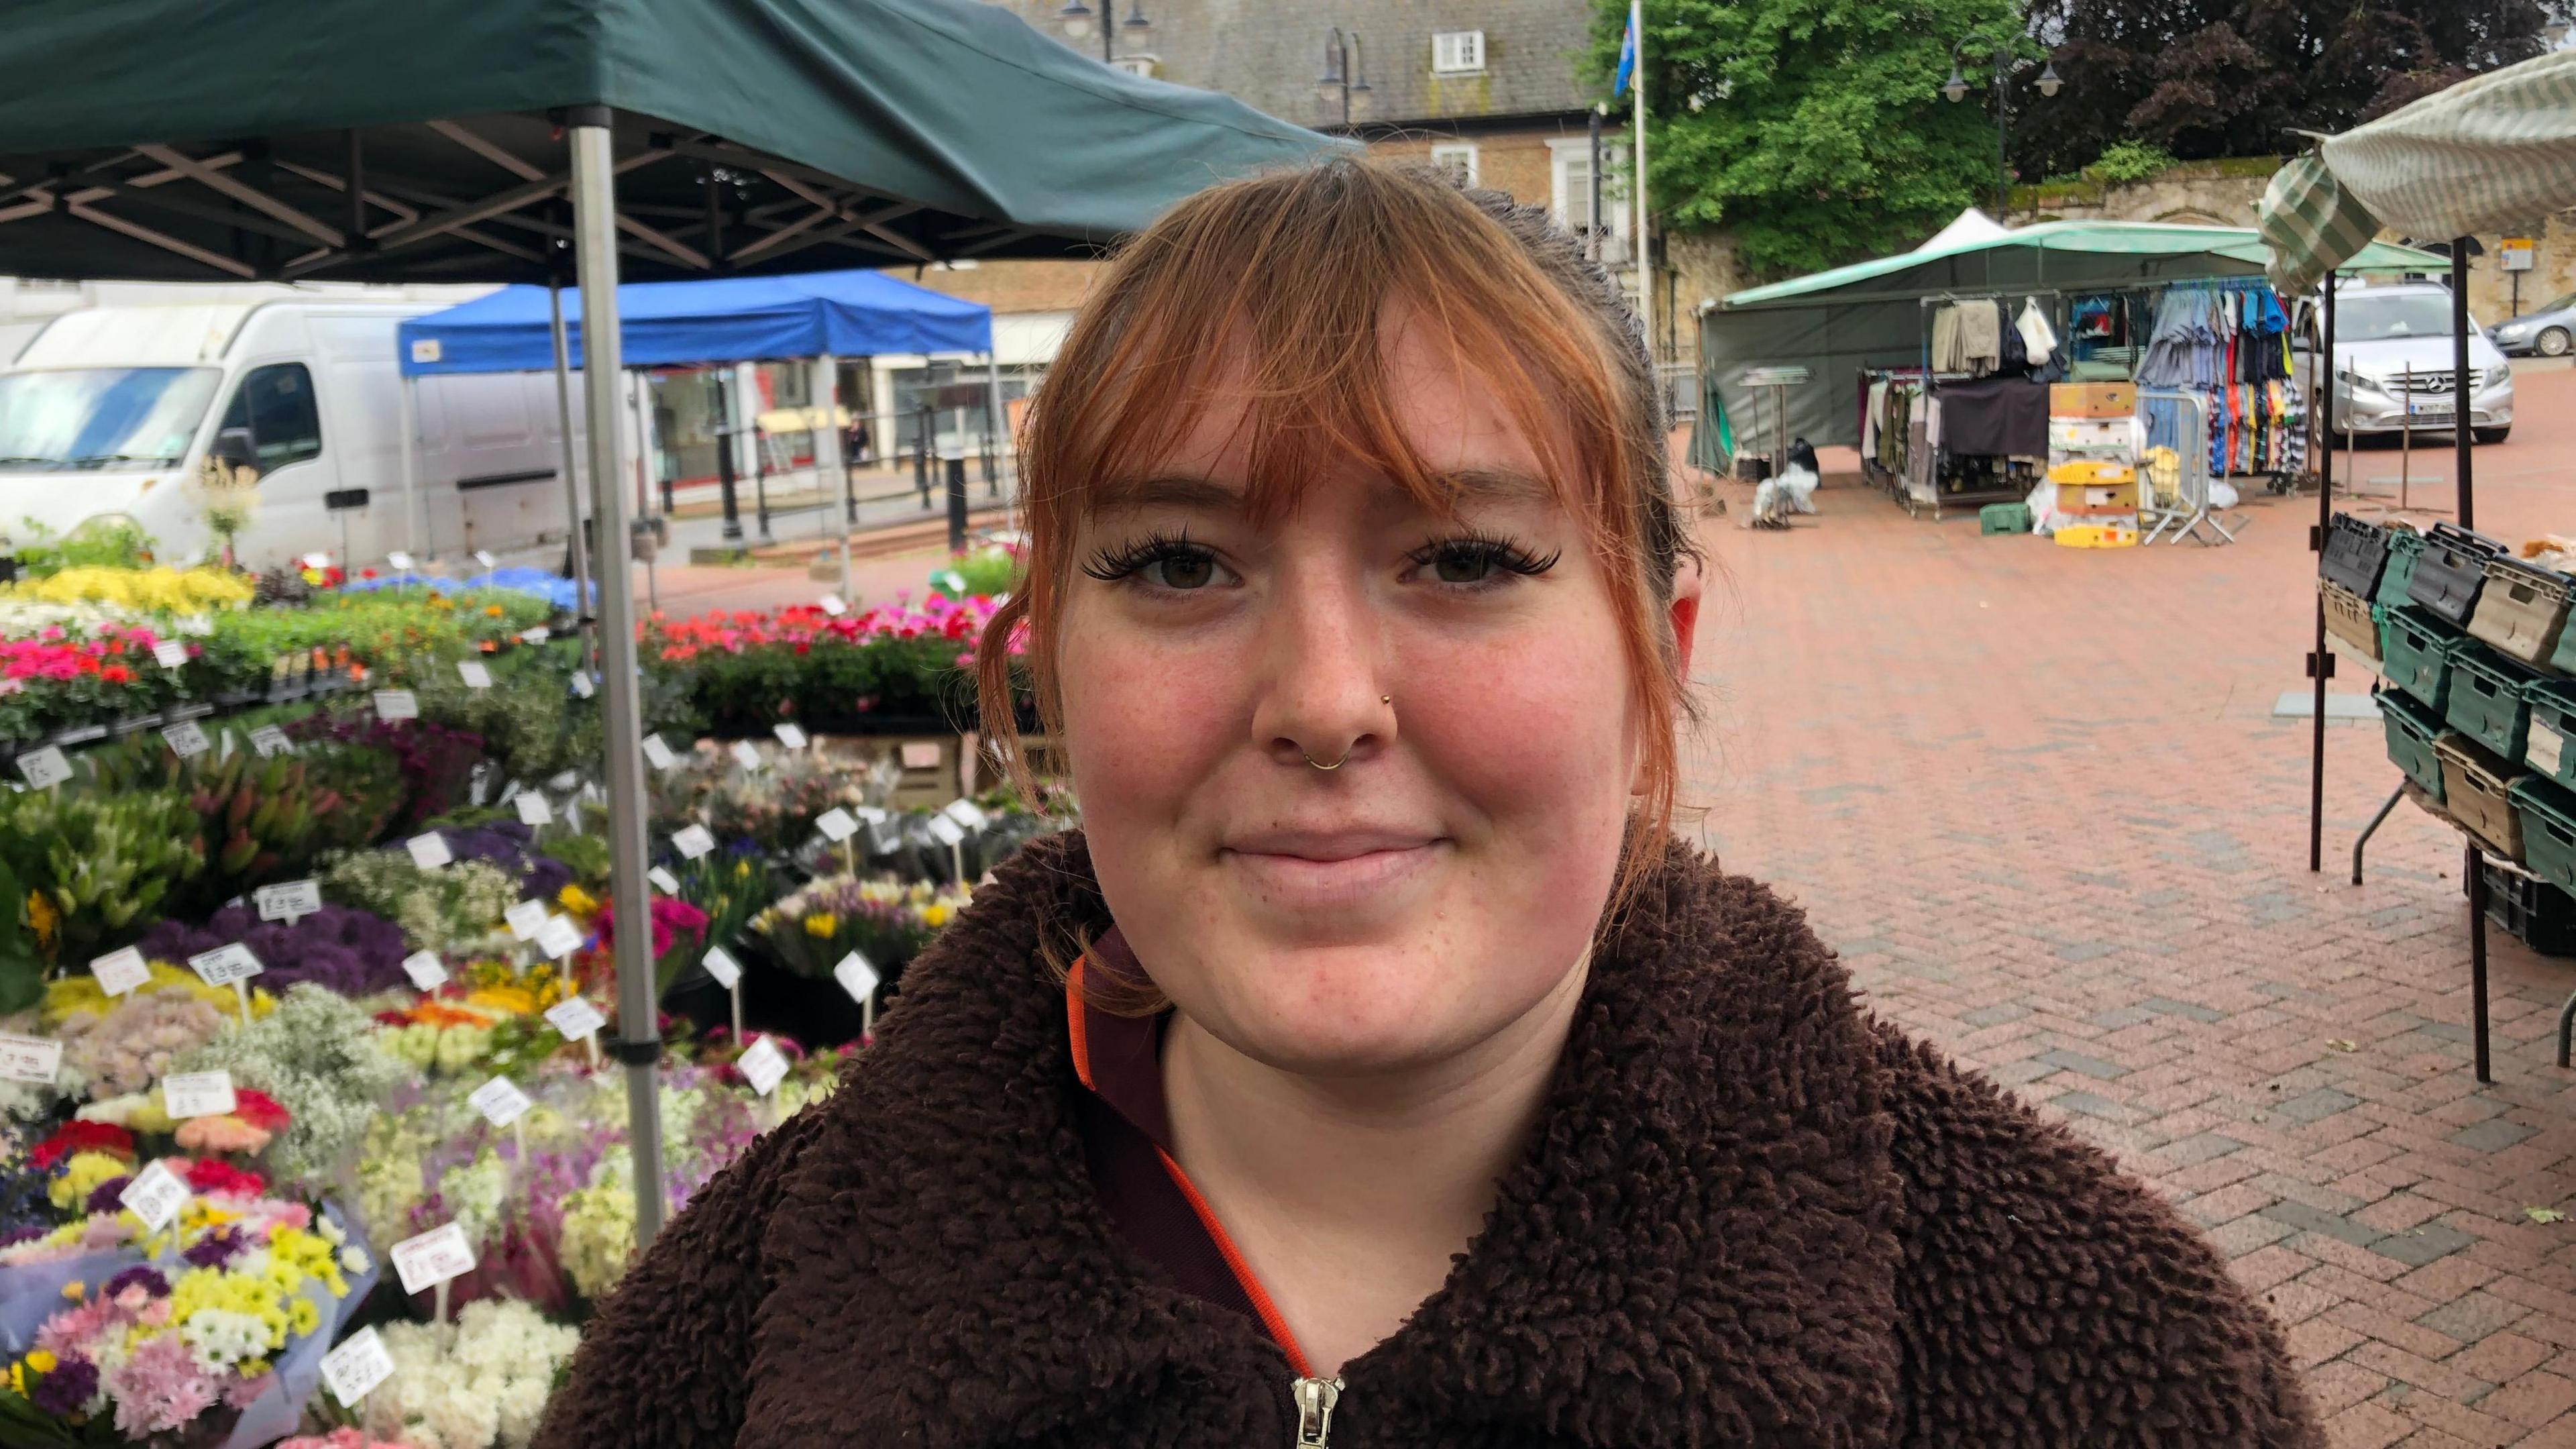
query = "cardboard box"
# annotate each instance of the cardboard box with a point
(2090, 435)
(2092, 399)
(2082, 472)
(2097, 498)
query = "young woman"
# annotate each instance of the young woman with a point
(1374, 1069)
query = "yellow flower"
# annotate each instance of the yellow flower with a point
(576, 900)
(41, 1361)
(822, 924)
(42, 917)
(74, 1290)
(934, 915)
(83, 1175)
(492, 610)
(301, 1316)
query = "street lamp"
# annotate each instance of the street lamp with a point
(2048, 83)
(1075, 17)
(1342, 71)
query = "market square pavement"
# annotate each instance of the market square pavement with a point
(2038, 800)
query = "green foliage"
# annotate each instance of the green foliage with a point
(2129, 161)
(985, 571)
(97, 865)
(532, 724)
(1821, 135)
(97, 543)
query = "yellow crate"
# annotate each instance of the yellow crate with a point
(2081, 471)
(2097, 535)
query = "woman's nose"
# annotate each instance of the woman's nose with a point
(1325, 701)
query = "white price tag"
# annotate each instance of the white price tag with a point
(835, 605)
(483, 558)
(720, 965)
(400, 560)
(170, 654)
(43, 769)
(963, 811)
(357, 1366)
(185, 739)
(746, 755)
(317, 560)
(433, 1258)
(289, 900)
(667, 883)
(558, 937)
(120, 971)
(394, 704)
(526, 918)
(873, 814)
(763, 1065)
(856, 976)
(921, 755)
(575, 1018)
(425, 971)
(790, 736)
(836, 824)
(945, 831)
(500, 1101)
(535, 634)
(225, 965)
(429, 851)
(155, 1195)
(656, 753)
(533, 809)
(270, 741)
(30, 1059)
(2546, 748)
(475, 673)
(581, 684)
(692, 841)
(197, 1094)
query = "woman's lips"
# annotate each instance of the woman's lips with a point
(1326, 871)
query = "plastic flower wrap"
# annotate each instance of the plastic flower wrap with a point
(483, 1386)
(318, 1058)
(181, 1345)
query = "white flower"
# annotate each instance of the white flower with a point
(220, 1337)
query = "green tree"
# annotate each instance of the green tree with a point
(1814, 131)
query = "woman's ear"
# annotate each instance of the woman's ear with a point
(1685, 617)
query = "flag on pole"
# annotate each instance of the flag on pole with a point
(1627, 57)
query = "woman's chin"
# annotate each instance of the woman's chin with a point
(1344, 1011)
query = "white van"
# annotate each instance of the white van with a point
(111, 413)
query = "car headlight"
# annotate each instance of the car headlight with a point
(2513, 330)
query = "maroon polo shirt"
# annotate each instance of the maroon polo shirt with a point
(1127, 1142)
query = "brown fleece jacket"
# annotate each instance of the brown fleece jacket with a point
(1748, 1215)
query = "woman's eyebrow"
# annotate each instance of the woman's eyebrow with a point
(1495, 485)
(1166, 490)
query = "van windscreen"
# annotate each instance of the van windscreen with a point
(100, 417)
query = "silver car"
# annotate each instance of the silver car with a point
(2393, 363)
(2544, 331)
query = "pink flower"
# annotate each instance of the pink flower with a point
(159, 1388)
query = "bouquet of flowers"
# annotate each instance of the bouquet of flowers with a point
(317, 1055)
(456, 907)
(883, 919)
(481, 1386)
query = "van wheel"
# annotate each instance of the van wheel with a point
(2554, 342)
(2492, 435)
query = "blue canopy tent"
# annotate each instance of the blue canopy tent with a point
(818, 315)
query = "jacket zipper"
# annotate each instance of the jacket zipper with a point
(1315, 1399)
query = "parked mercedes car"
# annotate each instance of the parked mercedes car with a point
(2393, 365)
(2544, 331)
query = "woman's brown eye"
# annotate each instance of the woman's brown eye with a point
(1185, 571)
(1463, 565)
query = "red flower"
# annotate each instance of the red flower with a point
(74, 1137)
(259, 1110)
(213, 1174)
(116, 674)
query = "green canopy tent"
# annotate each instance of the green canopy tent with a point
(1871, 314)
(589, 140)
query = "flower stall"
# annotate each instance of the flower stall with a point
(305, 1134)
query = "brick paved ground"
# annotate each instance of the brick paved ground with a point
(2037, 798)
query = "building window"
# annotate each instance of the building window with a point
(1458, 161)
(1457, 52)
(1136, 65)
(1570, 193)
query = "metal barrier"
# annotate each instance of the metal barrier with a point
(2181, 427)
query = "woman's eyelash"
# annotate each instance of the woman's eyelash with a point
(1487, 549)
(1112, 564)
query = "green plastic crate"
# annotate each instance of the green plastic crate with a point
(2548, 830)
(2004, 518)
(2405, 546)
(2412, 729)
(2487, 703)
(2415, 652)
(2550, 746)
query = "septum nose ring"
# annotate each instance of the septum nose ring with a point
(1346, 749)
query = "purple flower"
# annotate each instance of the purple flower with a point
(215, 1249)
(108, 1196)
(23, 1233)
(341, 948)
(139, 1276)
(67, 1390)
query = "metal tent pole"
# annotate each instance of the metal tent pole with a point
(581, 599)
(2462, 434)
(995, 434)
(407, 420)
(2317, 661)
(594, 201)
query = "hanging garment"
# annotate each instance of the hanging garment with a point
(1870, 408)
(1981, 344)
(1994, 416)
(1945, 341)
(2037, 341)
